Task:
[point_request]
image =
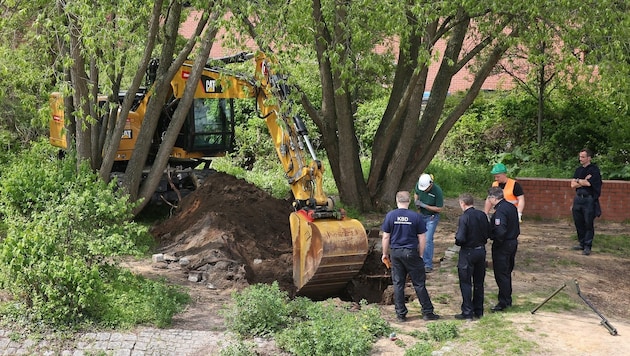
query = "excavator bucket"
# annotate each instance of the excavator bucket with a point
(327, 253)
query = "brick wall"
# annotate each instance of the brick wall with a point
(552, 199)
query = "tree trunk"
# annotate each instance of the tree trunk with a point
(80, 96)
(405, 146)
(336, 119)
(168, 139)
(95, 113)
(113, 140)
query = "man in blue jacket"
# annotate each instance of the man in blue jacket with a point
(403, 242)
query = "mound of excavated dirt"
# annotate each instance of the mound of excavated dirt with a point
(232, 233)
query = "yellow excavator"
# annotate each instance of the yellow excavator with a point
(329, 248)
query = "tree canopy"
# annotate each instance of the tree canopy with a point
(340, 54)
(365, 49)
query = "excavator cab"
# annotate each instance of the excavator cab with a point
(209, 127)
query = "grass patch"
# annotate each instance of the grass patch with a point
(457, 178)
(564, 262)
(434, 338)
(442, 298)
(528, 261)
(560, 302)
(616, 245)
(498, 335)
(131, 299)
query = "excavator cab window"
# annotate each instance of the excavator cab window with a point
(212, 126)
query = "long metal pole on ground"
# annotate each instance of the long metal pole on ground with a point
(549, 297)
(605, 323)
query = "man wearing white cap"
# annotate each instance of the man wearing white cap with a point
(429, 200)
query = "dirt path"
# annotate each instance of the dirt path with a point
(238, 235)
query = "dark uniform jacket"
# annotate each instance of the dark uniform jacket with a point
(596, 180)
(504, 222)
(595, 189)
(473, 229)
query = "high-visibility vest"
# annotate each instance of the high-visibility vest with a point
(508, 191)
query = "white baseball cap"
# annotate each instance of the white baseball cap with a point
(424, 182)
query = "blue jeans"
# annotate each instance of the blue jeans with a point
(405, 262)
(432, 222)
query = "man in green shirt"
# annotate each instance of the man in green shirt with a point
(429, 200)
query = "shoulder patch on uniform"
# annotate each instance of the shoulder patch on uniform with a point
(497, 221)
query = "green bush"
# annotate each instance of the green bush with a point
(240, 348)
(329, 330)
(35, 180)
(129, 299)
(258, 310)
(62, 226)
(42, 273)
(503, 127)
(301, 326)
(441, 331)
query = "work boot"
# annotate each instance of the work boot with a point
(577, 248)
(430, 316)
(587, 251)
(463, 317)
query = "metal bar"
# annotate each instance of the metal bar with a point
(549, 297)
(604, 322)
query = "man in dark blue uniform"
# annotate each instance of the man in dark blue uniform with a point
(587, 182)
(504, 233)
(403, 244)
(472, 234)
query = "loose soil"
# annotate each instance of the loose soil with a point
(229, 234)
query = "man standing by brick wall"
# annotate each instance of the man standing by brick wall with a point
(587, 182)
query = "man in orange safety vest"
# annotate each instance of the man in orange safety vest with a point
(512, 190)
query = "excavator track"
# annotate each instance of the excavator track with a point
(327, 254)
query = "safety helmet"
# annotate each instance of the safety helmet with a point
(424, 182)
(498, 168)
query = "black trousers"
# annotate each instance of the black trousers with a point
(471, 269)
(503, 255)
(584, 218)
(408, 262)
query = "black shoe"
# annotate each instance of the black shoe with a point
(430, 316)
(463, 317)
(577, 248)
(401, 318)
(498, 308)
(478, 316)
(428, 269)
(587, 251)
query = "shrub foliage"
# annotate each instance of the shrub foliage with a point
(303, 327)
(63, 229)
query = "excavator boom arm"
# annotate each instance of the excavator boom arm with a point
(329, 249)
